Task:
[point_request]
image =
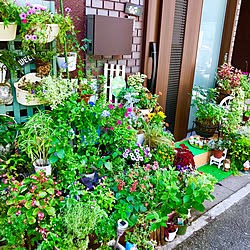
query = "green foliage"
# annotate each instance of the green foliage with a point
(9, 12)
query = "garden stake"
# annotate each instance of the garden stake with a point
(64, 41)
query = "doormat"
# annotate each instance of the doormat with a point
(194, 150)
(215, 172)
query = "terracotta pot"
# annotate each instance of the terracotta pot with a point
(218, 154)
(42, 67)
(84, 97)
(205, 129)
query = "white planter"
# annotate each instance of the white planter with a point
(140, 138)
(145, 111)
(24, 97)
(3, 72)
(46, 169)
(171, 236)
(7, 33)
(71, 61)
(91, 176)
(51, 31)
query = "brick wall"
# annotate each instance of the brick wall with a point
(116, 8)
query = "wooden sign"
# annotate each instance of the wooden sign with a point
(25, 60)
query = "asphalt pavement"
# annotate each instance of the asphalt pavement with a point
(229, 231)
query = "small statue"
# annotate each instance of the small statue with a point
(246, 166)
(226, 165)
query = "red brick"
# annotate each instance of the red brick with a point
(113, 13)
(131, 62)
(97, 57)
(138, 25)
(127, 56)
(135, 33)
(139, 33)
(103, 12)
(96, 72)
(108, 5)
(138, 47)
(119, 6)
(117, 57)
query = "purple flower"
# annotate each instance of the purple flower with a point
(28, 4)
(67, 9)
(29, 12)
(55, 154)
(64, 65)
(44, 91)
(125, 155)
(36, 8)
(92, 103)
(33, 92)
(27, 37)
(34, 38)
(23, 15)
(105, 113)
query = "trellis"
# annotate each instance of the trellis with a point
(16, 110)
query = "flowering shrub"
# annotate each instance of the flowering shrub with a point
(140, 154)
(32, 202)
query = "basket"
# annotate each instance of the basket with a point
(205, 130)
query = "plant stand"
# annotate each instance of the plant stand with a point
(216, 161)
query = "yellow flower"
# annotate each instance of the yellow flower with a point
(166, 154)
(164, 157)
(165, 149)
(160, 152)
(161, 114)
(151, 115)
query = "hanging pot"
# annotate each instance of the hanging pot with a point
(6, 96)
(38, 167)
(3, 72)
(7, 33)
(42, 67)
(205, 129)
(50, 32)
(24, 97)
(71, 61)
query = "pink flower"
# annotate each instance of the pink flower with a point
(142, 186)
(137, 174)
(146, 204)
(129, 110)
(151, 191)
(128, 127)
(67, 9)
(119, 122)
(120, 105)
(126, 114)
(111, 128)
(111, 106)
(24, 21)
(106, 129)
(145, 178)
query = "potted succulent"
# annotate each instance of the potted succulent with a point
(27, 89)
(208, 112)
(35, 139)
(9, 18)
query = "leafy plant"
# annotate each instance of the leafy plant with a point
(9, 12)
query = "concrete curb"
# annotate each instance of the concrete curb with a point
(208, 216)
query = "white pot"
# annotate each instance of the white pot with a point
(24, 97)
(91, 176)
(51, 32)
(71, 61)
(145, 111)
(3, 72)
(38, 168)
(7, 33)
(140, 138)
(171, 236)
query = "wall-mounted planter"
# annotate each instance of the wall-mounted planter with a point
(72, 58)
(50, 30)
(7, 33)
(24, 97)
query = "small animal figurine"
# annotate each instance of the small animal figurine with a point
(246, 166)
(191, 140)
(226, 165)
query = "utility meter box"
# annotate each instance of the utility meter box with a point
(109, 35)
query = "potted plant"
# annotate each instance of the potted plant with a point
(35, 139)
(9, 18)
(27, 89)
(208, 112)
(8, 134)
(218, 147)
(170, 231)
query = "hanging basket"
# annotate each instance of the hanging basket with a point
(205, 129)
(72, 58)
(7, 33)
(46, 32)
(24, 97)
